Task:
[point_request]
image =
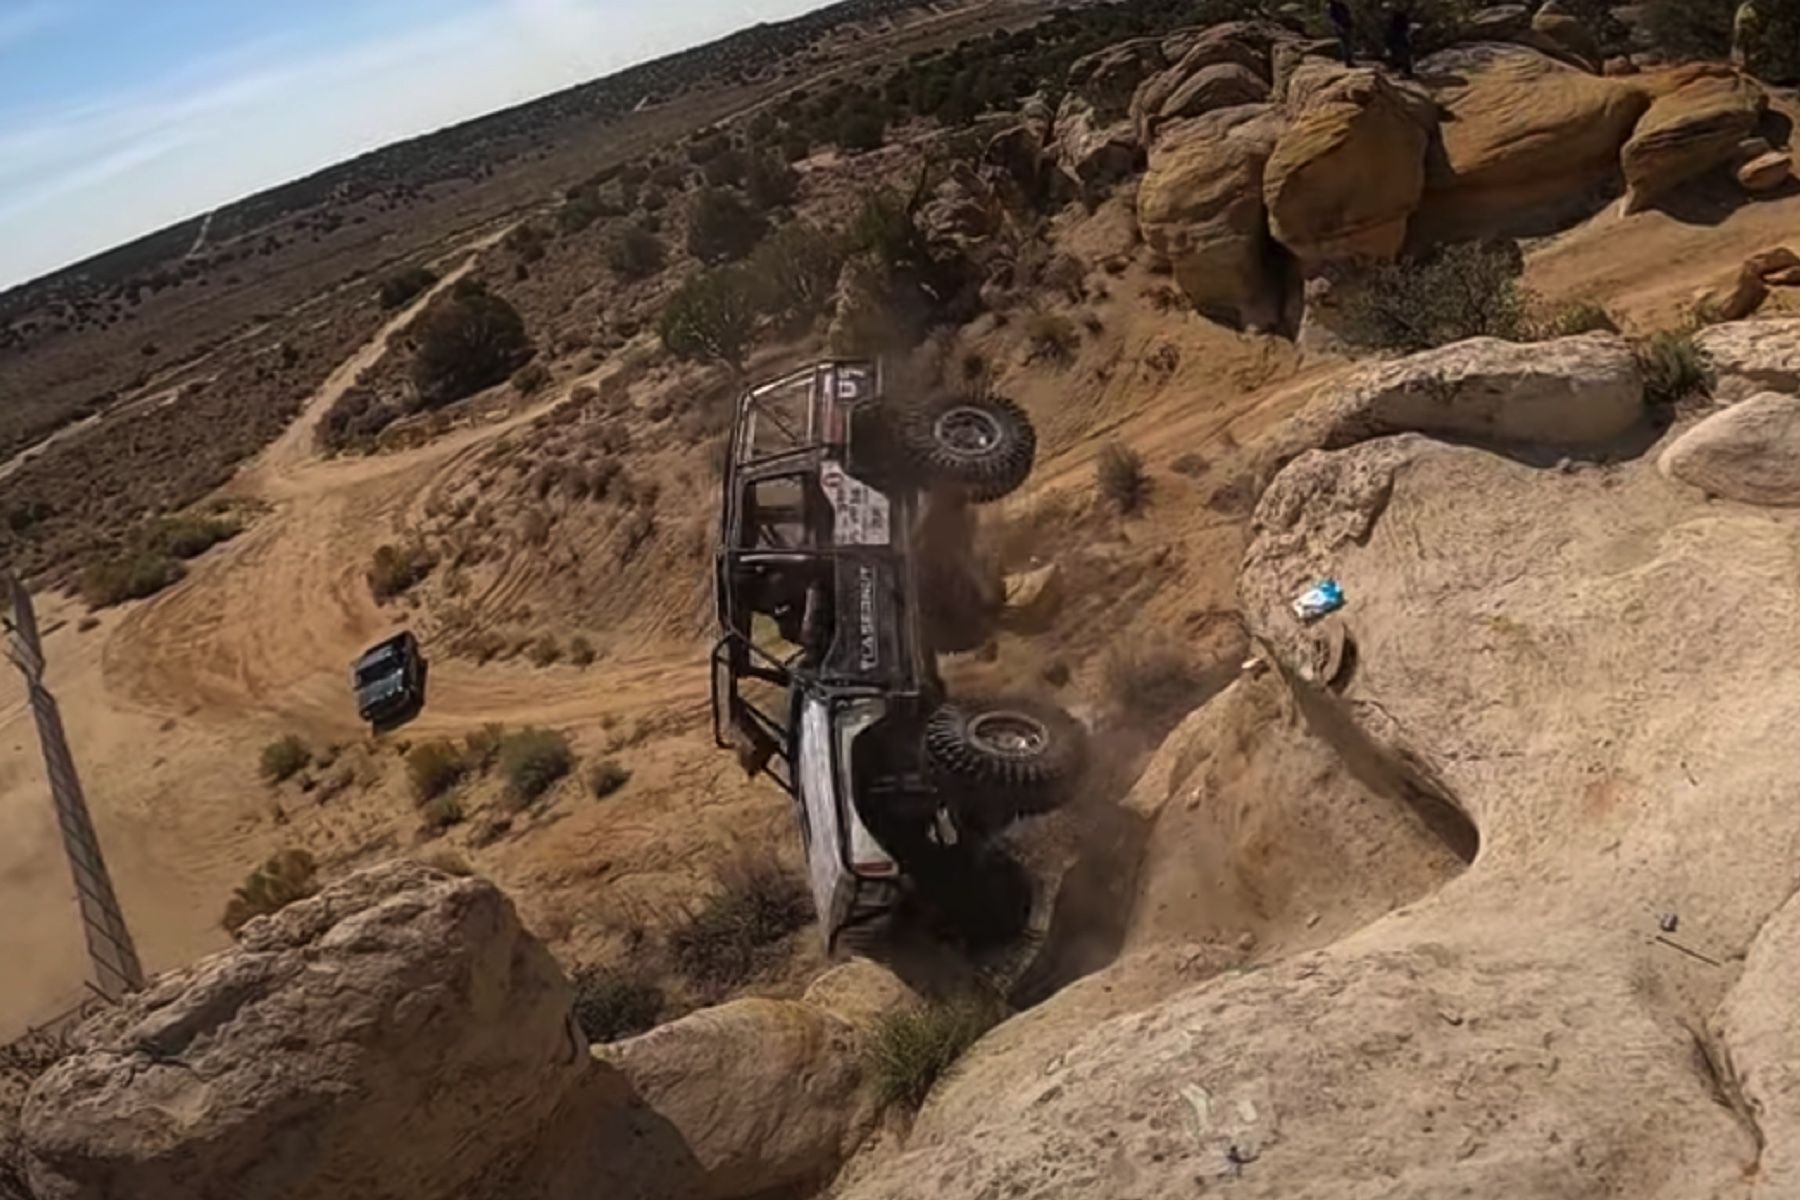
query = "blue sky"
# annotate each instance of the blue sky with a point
(118, 117)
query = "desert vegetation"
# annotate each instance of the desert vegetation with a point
(286, 877)
(913, 1049)
(731, 933)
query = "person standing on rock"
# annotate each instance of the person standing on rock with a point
(1344, 25)
(1400, 40)
(1746, 25)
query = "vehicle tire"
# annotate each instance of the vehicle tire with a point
(984, 444)
(1005, 758)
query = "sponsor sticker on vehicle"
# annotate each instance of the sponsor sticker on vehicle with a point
(862, 516)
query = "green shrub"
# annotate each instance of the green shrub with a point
(606, 777)
(531, 760)
(611, 1005)
(186, 536)
(913, 1049)
(1463, 291)
(861, 129)
(795, 272)
(1674, 367)
(721, 227)
(286, 877)
(434, 768)
(1122, 478)
(711, 317)
(635, 254)
(284, 758)
(466, 341)
(771, 183)
(724, 941)
(405, 285)
(395, 569)
(727, 168)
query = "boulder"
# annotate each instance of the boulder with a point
(1094, 153)
(961, 211)
(1748, 452)
(764, 1094)
(1260, 37)
(1566, 35)
(1748, 357)
(1021, 151)
(395, 1036)
(1687, 133)
(1766, 172)
(860, 992)
(1498, 23)
(1619, 65)
(1201, 212)
(1758, 1028)
(1210, 55)
(1033, 598)
(1347, 171)
(1525, 140)
(1574, 391)
(1108, 79)
(1745, 290)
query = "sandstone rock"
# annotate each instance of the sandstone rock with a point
(1732, 299)
(1223, 46)
(1200, 209)
(1525, 139)
(1747, 357)
(1687, 133)
(1499, 23)
(1108, 79)
(1749, 452)
(396, 1035)
(1021, 151)
(1347, 172)
(1573, 391)
(962, 210)
(1766, 172)
(1094, 153)
(1785, 277)
(859, 992)
(1033, 597)
(1261, 37)
(764, 1094)
(1619, 65)
(1567, 34)
(1759, 1030)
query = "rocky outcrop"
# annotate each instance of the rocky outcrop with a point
(1022, 151)
(1749, 452)
(1566, 35)
(1200, 209)
(1097, 143)
(1744, 291)
(1748, 357)
(1525, 140)
(764, 1094)
(1499, 23)
(1575, 391)
(1687, 133)
(1224, 66)
(1347, 171)
(1757, 1029)
(961, 212)
(397, 1035)
(1766, 172)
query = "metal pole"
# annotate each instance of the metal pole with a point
(114, 958)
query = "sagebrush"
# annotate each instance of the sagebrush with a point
(286, 877)
(531, 760)
(611, 1004)
(755, 906)
(1462, 291)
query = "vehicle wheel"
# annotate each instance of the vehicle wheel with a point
(985, 444)
(980, 897)
(1015, 755)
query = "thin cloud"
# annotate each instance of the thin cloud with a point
(28, 20)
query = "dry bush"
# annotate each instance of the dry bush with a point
(284, 758)
(448, 861)
(711, 317)
(581, 651)
(433, 768)
(913, 1049)
(721, 227)
(151, 558)
(534, 527)
(531, 378)
(636, 253)
(606, 777)
(1053, 338)
(404, 286)
(724, 942)
(395, 569)
(481, 749)
(531, 760)
(546, 651)
(1568, 320)
(441, 812)
(611, 1004)
(286, 877)
(1122, 478)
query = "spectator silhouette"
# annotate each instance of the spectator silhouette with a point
(1400, 40)
(1344, 25)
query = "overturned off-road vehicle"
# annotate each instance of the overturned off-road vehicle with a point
(825, 673)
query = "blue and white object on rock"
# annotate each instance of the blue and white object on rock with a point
(1321, 599)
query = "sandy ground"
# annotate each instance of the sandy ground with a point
(168, 702)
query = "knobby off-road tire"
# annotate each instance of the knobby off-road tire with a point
(983, 444)
(1006, 758)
